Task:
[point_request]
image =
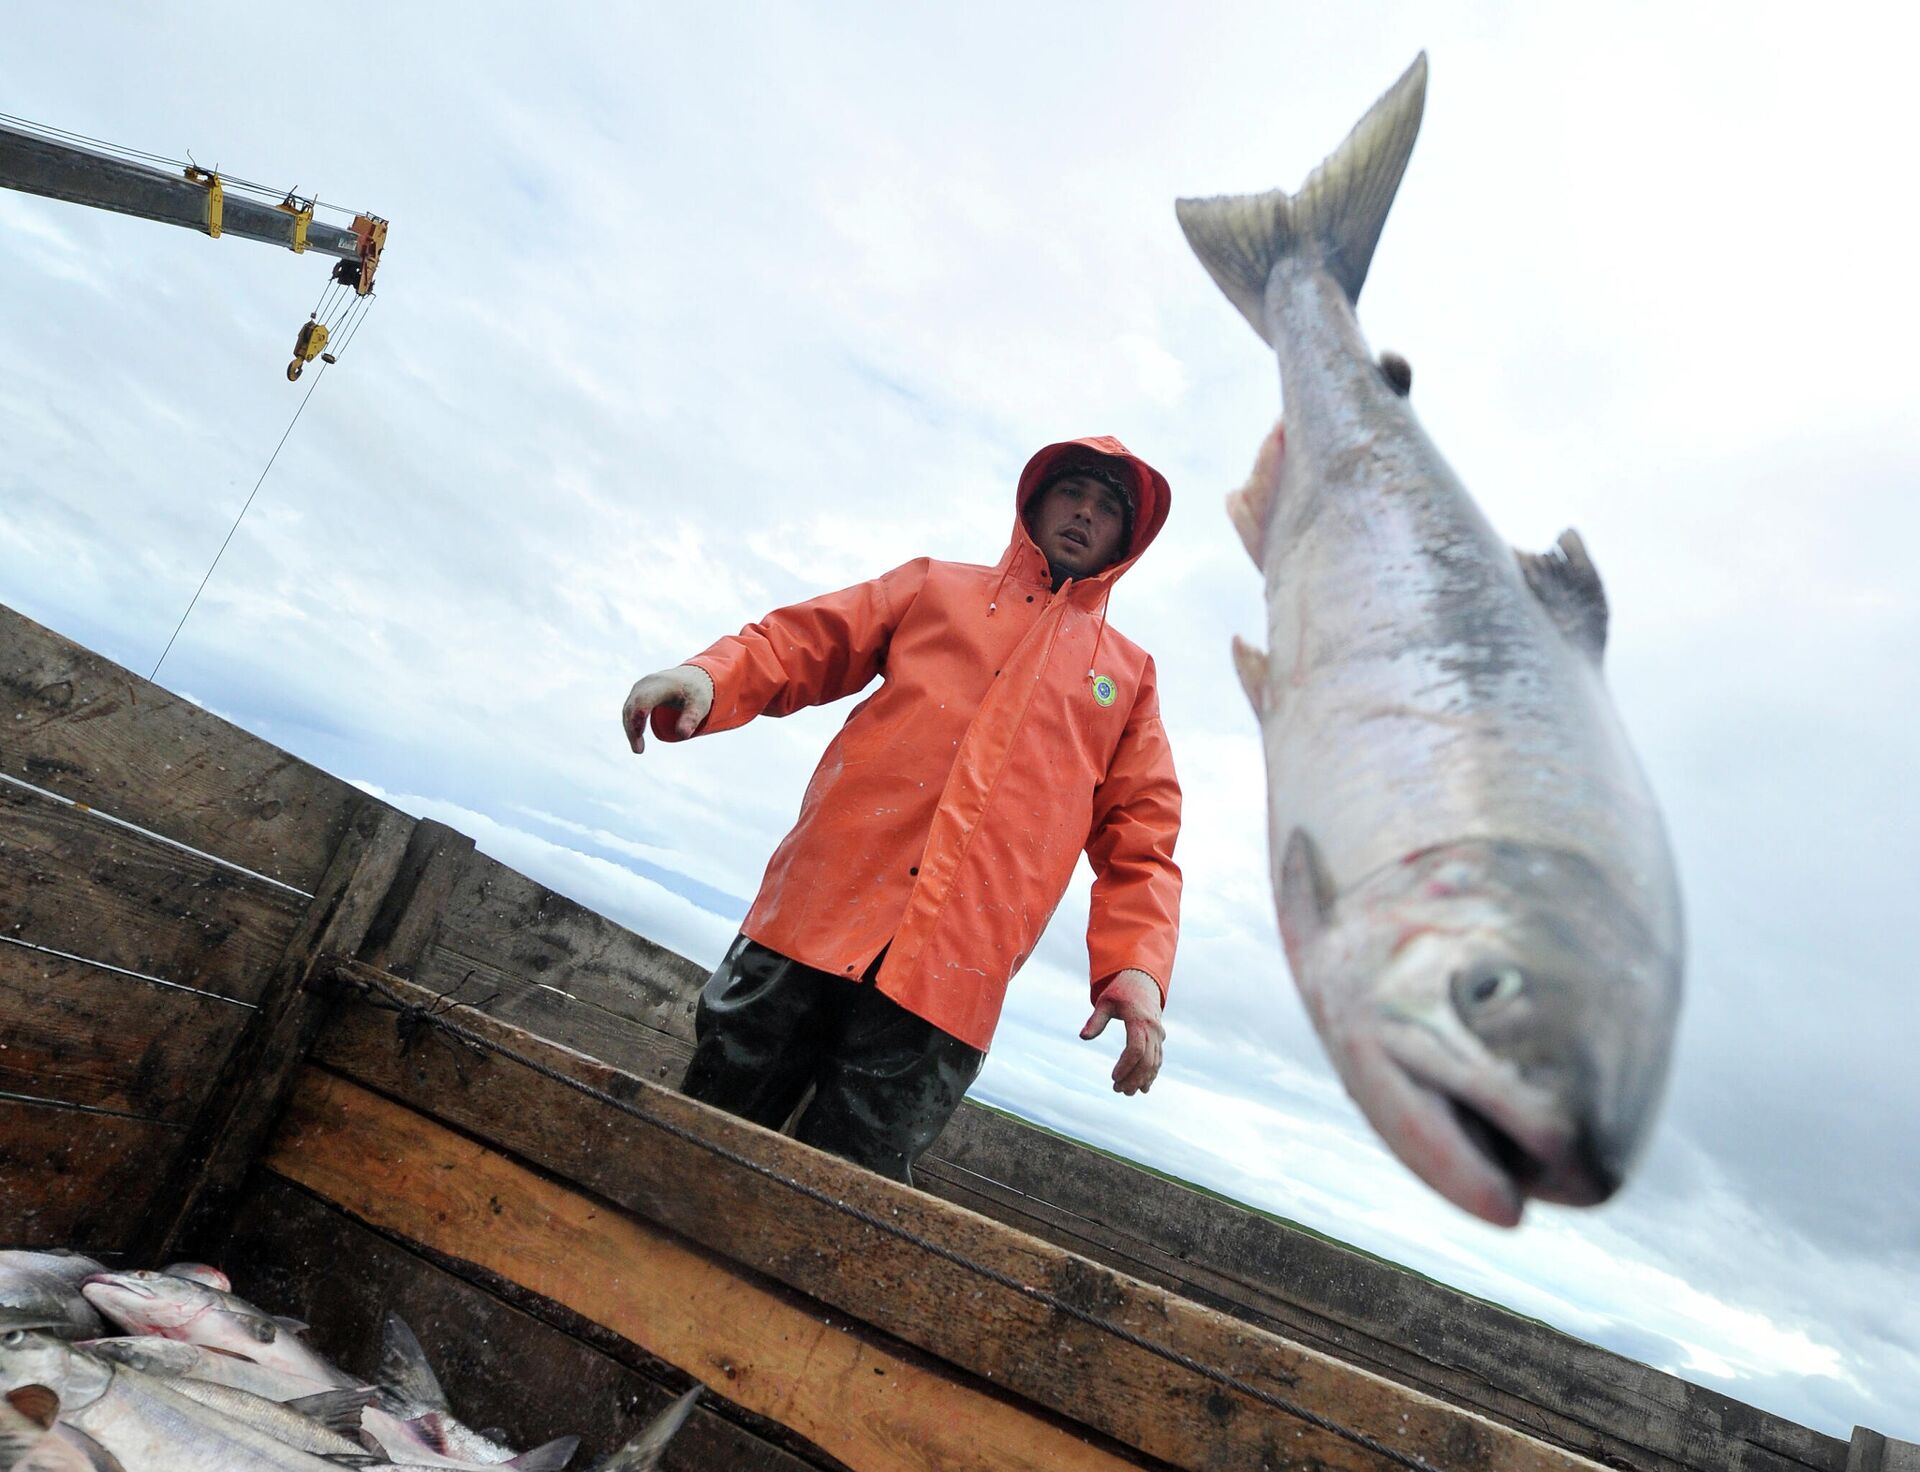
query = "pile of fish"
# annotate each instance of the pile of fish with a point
(202, 1381)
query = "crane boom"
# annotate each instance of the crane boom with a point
(196, 199)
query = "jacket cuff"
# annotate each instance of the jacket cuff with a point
(1100, 986)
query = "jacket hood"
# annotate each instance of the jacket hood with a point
(1152, 498)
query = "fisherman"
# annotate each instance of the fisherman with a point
(1013, 729)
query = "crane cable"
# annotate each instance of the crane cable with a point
(136, 155)
(364, 303)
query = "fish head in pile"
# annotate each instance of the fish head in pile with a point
(179, 1308)
(149, 1354)
(48, 1284)
(1498, 1015)
(30, 1358)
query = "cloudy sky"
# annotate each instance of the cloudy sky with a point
(690, 311)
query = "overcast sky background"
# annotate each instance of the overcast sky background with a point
(693, 311)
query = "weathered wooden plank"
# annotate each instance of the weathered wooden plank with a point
(70, 882)
(76, 1178)
(500, 923)
(78, 1034)
(520, 1362)
(415, 907)
(1151, 1400)
(1869, 1451)
(253, 1080)
(841, 1387)
(599, 1020)
(1421, 1333)
(81, 726)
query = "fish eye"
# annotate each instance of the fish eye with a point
(1492, 985)
(14, 1338)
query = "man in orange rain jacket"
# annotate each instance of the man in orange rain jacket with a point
(1013, 729)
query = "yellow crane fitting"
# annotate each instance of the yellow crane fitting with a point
(215, 196)
(302, 218)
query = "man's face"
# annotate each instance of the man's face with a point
(1078, 523)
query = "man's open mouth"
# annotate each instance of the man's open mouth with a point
(1074, 535)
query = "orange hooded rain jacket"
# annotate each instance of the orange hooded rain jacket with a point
(1012, 729)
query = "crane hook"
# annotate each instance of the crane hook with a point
(309, 344)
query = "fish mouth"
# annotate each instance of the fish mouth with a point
(1515, 1135)
(1508, 1155)
(1458, 1148)
(120, 1281)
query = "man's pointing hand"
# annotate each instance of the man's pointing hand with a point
(687, 686)
(1133, 997)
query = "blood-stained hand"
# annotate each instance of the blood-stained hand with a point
(687, 687)
(1133, 997)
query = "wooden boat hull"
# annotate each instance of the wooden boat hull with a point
(574, 1242)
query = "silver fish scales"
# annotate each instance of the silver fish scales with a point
(1475, 889)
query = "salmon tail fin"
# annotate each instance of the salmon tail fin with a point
(1337, 215)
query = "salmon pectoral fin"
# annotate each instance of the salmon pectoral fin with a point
(1251, 665)
(549, 1457)
(1306, 895)
(1567, 584)
(39, 1404)
(1249, 507)
(99, 1459)
(337, 1410)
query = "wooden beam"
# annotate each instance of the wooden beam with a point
(43, 166)
(663, 1164)
(258, 1074)
(1344, 1302)
(522, 936)
(81, 726)
(520, 1362)
(1869, 1451)
(835, 1384)
(415, 907)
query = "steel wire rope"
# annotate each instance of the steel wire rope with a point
(341, 311)
(438, 1019)
(49, 131)
(366, 305)
(236, 523)
(120, 150)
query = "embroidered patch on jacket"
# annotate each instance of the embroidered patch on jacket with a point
(1104, 690)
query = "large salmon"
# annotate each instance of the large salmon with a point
(1475, 890)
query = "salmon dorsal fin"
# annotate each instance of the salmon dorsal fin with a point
(1335, 219)
(1567, 584)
